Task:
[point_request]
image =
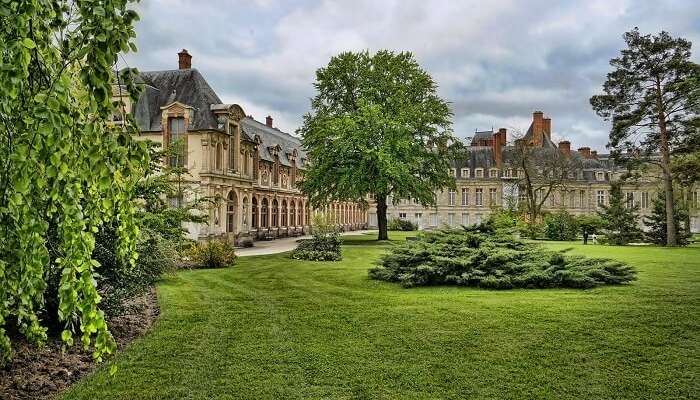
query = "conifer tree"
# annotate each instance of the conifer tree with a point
(619, 218)
(656, 222)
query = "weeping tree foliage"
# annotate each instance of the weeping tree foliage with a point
(65, 170)
(651, 97)
(376, 127)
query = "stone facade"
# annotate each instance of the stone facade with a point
(487, 179)
(252, 168)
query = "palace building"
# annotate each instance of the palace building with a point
(487, 178)
(252, 167)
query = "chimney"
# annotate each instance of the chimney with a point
(499, 140)
(594, 154)
(268, 121)
(184, 59)
(548, 127)
(537, 128)
(565, 147)
(585, 152)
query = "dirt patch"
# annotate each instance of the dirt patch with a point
(41, 373)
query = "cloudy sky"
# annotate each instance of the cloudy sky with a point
(495, 61)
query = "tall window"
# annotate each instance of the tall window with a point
(292, 213)
(263, 213)
(600, 197)
(465, 219)
(232, 148)
(582, 198)
(450, 219)
(284, 213)
(244, 216)
(254, 212)
(630, 199)
(177, 141)
(275, 212)
(479, 197)
(231, 212)
(219, 153)
(433, 219)
(645, 199)
(465, 196)
(492, 196)
(452, 197)
(307, 214)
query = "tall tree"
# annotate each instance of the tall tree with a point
(65, 168)
(656, 223)
(620, 219)
(650, 96)
(376, 128)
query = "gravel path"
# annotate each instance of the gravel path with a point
(281, 245)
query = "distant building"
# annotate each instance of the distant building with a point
(251, 166)
(488, 178)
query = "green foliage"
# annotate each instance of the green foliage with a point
(493, 259)
(325, 243)
(213, 254)
(619, 219)
(532, 230)
(65, 168)
(656, 223)
(503, 218)
(398, 224)
(588, 225)
(560, 225)
(376, 127)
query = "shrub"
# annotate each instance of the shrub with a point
(560, 226)
(397, 224)
(323, 246)
(213, 254)
(490, 258)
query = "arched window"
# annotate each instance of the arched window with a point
(263, 213)
(284, 213)
(219, 150)
(275, 212)
(244, 216)
(292, 213)
(231, 205)
(254, 204)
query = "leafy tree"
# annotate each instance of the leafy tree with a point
(588, 225)
(65, 169)
(620, 218)
(656, 223)
(651, 97)
(560, 225)
(376, 127)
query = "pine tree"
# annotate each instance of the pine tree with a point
(620, 219)
(656, 223)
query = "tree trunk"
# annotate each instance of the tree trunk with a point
(381, 217)
(671, 239)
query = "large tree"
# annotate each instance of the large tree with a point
(376, 128)
(650, 97)
(65, 169)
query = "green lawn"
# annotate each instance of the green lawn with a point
(275, 328)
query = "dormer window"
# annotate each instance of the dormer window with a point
(493, 173)
(600, 176)
(465, 172)
(479, 172)
(453, 172)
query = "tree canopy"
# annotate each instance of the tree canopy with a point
(66, 169)
(376, 128)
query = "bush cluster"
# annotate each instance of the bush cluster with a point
(325, 247)
(213, 254)
(482, 256)
(397, 224)
(560, 225)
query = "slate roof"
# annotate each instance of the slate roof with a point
(186, 86)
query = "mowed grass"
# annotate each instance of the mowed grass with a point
(274, 328)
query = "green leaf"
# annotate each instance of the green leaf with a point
(28, 43)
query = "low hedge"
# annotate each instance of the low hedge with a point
(482, 256)
(322, 247)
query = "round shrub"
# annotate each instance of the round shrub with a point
(213, 254)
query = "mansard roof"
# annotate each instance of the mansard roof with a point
(186, 86)
(272, 137)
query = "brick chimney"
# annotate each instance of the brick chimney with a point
(184, 59)
(499, 140)
(268, 121)
(547, 128)
(537, 128)
(565, 147)
(585, 152)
